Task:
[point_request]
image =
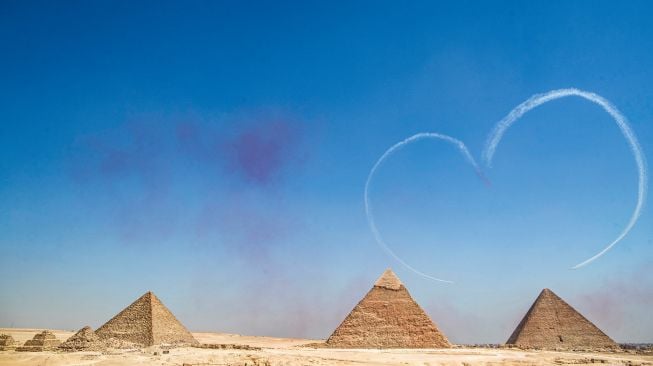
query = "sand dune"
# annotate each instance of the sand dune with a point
(286, 351)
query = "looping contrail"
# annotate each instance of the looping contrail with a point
(490, 148)
(368, 206)
(500, 129)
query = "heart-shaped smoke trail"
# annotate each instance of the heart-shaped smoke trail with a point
(488, 153)
(368, 206)
(539, 99)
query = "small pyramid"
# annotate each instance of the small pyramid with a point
(551, 323)
(84, 340)
(7, 342)
(146, 322)
(43, 341)
(387, 317)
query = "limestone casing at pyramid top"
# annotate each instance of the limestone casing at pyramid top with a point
(389, 280)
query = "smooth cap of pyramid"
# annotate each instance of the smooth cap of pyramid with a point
(389, 280)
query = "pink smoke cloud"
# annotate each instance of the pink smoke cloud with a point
(297, 303)
(260, 152)
(137, 168)
(124, 170)
(132, 149)
(258, 148)
(249, 231)
(611, 304)
(199, 141)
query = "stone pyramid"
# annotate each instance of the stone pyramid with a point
(84, 340)
(387, 317)
(43, 341)
(551, 323)
(7, 342)
(146, 322)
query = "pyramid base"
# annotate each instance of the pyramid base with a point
(35, 349)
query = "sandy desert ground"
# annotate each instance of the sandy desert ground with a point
(284, 351)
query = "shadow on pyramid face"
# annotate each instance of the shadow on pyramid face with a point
(146, 322)
(387, 317)
(551, 323)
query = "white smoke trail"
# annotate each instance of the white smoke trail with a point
(368, 206)
(499, 130)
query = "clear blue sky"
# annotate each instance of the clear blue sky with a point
(215, 153)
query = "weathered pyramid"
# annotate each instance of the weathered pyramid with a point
(146, 322)
(43, 341)
(387, 317)
(551, 323)
(84, 340)
(7, 342)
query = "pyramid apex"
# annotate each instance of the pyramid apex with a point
(389, 280)
(148, 296)
(547, 292)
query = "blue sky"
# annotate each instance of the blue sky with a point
(216, 152)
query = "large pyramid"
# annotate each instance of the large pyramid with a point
(146, 322)
(387, 317)
(551, 323)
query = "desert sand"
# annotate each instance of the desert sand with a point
(286, 351)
